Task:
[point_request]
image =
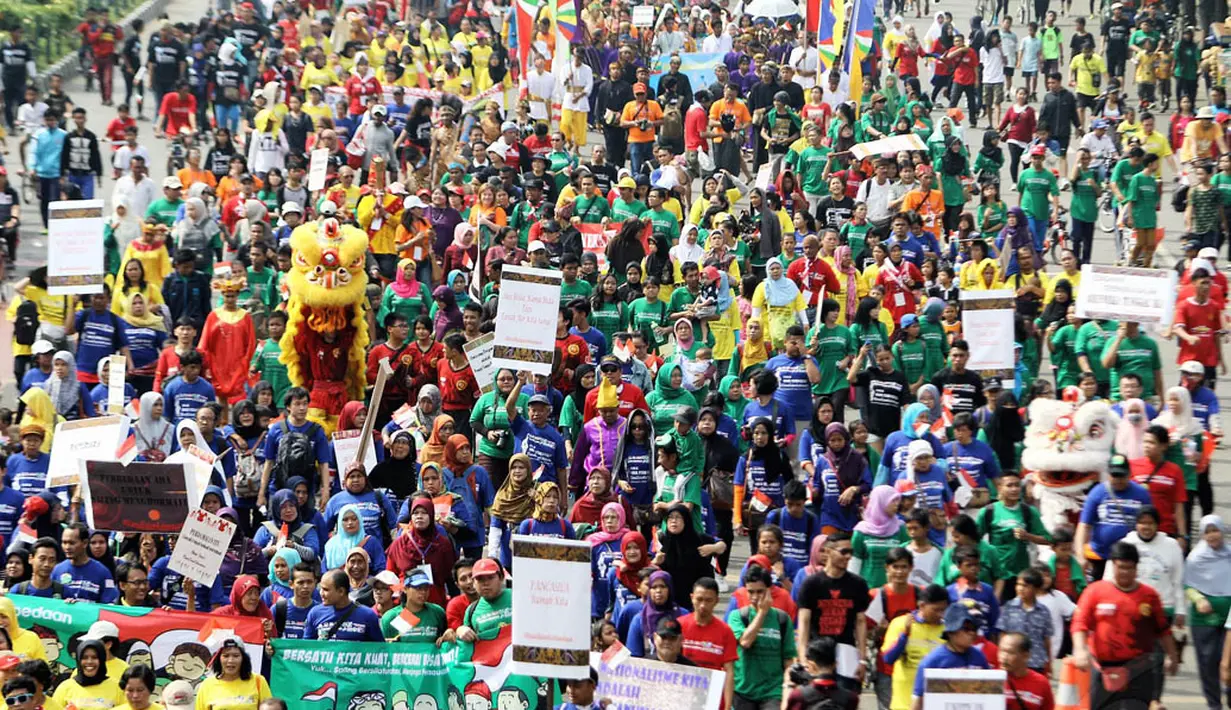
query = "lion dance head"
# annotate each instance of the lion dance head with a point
(1066, 452)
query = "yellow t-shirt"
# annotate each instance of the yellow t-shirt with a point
(318, 112)
(115, 669)
(216, 694)
(776, 319)
(1145, 67)
(1074, 281)
(1086, 70)
(104, 696)
(157, 264)
(723, 331)
(1155, 143)
(51, 309)
(325, 43)
(120, 301)
(322, 77)
(922, 640)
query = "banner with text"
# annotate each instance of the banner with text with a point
(479, 353)
(1124, 293)
(987, 326)
(948, 688)
(138, 498)
(642, 684)
(552, 582)
(201, 546)
(526, 319)
(97, 439)
(75, 254)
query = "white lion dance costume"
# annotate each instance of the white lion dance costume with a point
(1066, 452)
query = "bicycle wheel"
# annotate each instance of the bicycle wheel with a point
(1106, 218)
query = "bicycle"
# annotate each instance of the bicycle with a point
(1106, 211)
(1057, 240)
(177, 151)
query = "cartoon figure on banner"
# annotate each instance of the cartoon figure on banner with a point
(326, 336)
(1066, 452)
(478, 696)
(53, 648)
(368, 700)
(188, 661)
(423, 702)
(512, 699)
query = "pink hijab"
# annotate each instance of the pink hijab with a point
(1129, 433)
(877, 522)
(402, 286)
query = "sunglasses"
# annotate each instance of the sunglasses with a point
(845, 551)
(18, 699)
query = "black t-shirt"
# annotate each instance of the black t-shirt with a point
(13, 59)
(248, 35)
(166, 57)
(1076, 42)
(604, 176)
(887, 394)
(419, 131)
(228, 81)
(834, 213)
(8, 198)
(834, 604)
(218, 161)
(1117, 33)
(297, 129)
(966, 388)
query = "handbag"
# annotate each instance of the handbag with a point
(721, 487)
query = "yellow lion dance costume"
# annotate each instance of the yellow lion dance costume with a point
(326, 338)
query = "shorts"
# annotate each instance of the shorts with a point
(1084, 101)
(1051, 66)
(1029, 74)
(993, 94)
(1145, 92)
(1064, 144)
(1008, 71)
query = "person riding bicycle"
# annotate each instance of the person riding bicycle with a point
(1203, 138)
(1103, 152)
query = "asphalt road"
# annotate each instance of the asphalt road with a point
(1182, 691)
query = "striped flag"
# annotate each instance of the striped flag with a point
(127, 453)
(328, 691)
(829, 17)
(858, 45)
(405, 621)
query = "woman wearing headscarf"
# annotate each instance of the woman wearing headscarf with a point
(397, 474)
(305, 500)
(929, 396)
(1187, 445)
(469, 482)
(1132, 427)
(841, 482)
(916, 424)
(1015, 235)
(243, 556)
(25, 643)
(88, 688)
(623, 583)
(41, 411)
(546, 520)
(347, 535)
(267, 145)
(146, 331)
(661, 602)
(198, 231)
(721, 459)
(816, 563)
(513, 504)
(591, 507)
(880, 530)
(287, 529)
(16, 571)
(120, 230)
(99, 549)
(433, 449)
(448, 316)
(733, 399)
(778, 303)
(759, 478)
(490, 422)
(1057, 310)
(424, 543)
(246, 600)
(405, 296)
(70, 398)
(685, 553)
(462, 254)
(688, 250)
(281, 574)
(572, 414)
(152, 433)
(953, 168)
(1005, 432)
(669, 396)
(1207, 586)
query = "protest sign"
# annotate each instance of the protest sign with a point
(201, 546)
(893, 144)
(643, 16)
(199, 466)
(407, 674)
(552, 581)
(697, 66)
(97, 438)
(116, 370)
(948, 688)
(318, 168)
(174, 643)
(988, 326)
(75, 253)
(138, 498)
(346, 449)
(596, 237)
(479, 353)
(526, 319)
(1124, 293)
(642, 684)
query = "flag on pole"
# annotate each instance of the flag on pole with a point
(526, 11)
(828, 33)
(858, 45)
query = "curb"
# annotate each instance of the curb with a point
(68, 66)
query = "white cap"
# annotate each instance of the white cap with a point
(178, 695)
(412, 201)
(396, 188)
(329, 208)
(42, 347)
(172, 182)
(390, 579)
(1208, 253)
(1188, 367)
(288, 207)
(536, 245)
(100, 630)
(380, 110)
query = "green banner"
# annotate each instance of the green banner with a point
(312, 675)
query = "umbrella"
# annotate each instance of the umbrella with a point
(772, 8)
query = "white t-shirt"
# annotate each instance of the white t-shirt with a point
(993, 65)
(576, 77)
(806, 59)
(1061, 609)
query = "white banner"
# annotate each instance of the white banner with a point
(116, 370)
(987, 326)
(75, 252)
(346, 449)
(949, 688)
(96, 439)
(317, 170)
(892, 144)
(643, 16)
(552, 582)
(639, 683)
(526, 319)
(1124, 293)
(479, 352)
(201, 546)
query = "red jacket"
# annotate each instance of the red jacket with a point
(405, 554)
(1020, 122)
(357, 91)
(811, 277)
(103, 38)
(423, 364)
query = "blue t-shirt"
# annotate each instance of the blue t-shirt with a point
(90, 581)
(777, 411)
(144, 343)
(11, 502)
(361, 624)
(553, 395)
(544, 445)
(984, 597)
(638, 471)
(751, 475)
(810, 447)
(320, 448)
(893, 458)
(797, 533)
(28, 477)
(371, 506)
(976, 460)
(1205, 403)
(296, 617)
(1112, 515)
(33, 378)
(558, 528)
(184, 398)
(825, 479)
(945, 657)
(98, 396)
(794, 387)
(397, 116)
(98, 336)
(933, 492)
(596, 340)
(170, 586)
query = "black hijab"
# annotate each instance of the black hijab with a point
(775, 460)
(720, 453)
(1005, 430)
(398, 476)
(82, 679)
(683, 561)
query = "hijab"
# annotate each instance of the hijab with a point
(579, 392)
(683, 560)
(688, 251)
(590, 507)
(252, 431)
(448, 317)
(307, 511)
(434, 449)
(652, 613)
(684, 342)
(65, 392)
(455, 442)
(1014, 237)
(779, 291)
(877, 522)
(815, 553)
(398, 476)
(423, 539)
(338, 548)
(720, 453)
(1182, 424)
(149, 320)
(849, 278)
(279, 499)
(513, 502)
(1005, 430)
(629, 573)
(908, 420)
(291, 557)
(149, 430)
(462, 299)
(350, 410)
(79, 675)
(541, 491)
(244, 583)
(432, 392)
(197, 437)
(1057, 311)
(1129, 433)
(1206, 569)
(733, 408)
(602, 536)
(936, 411)
(773, 457)
(41, 411)
(403, 286)
(847, 463)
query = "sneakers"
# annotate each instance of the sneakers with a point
(723, 586)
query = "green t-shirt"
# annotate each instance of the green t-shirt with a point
(947, 573)
(833, 345)
(1143, 192)
(1064, 355)
(163, 210)
(810, 166)
(490, 412)
(580, 288)
(910, 359)
(645, 316)
(621, 210)
(692, 494)
(1216, 618)
(265, 363)
(263, 286)
(1012, 555)
(933, 337)
(591, 210)
(992, 217)
(951, 185)
(872, 336)
(1222, 181)
(1122, 173)
(1085, 203)
(1091, 338)
(609, 319)
(486, 617)
(523, 218)
(1050, 37)
(1139, 36)
(430, 624)
(871, 551)
(856, 235)
(758, 672)
(1036, 186)
(665, 224)
(1139, 356)
(411, 307)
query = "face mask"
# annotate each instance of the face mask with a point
(1135, 418)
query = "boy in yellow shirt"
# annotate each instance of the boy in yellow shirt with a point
(1146, 59)
(909, 638)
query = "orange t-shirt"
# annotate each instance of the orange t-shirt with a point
(930, 206)
(738, 109)
(649, 111)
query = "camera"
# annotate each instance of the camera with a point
(643, 124)
(501, 438)
(728, 122)
(798, 674)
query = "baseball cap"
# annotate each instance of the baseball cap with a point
(328, 207)
(9, 660)
(686, 415)
(396, 188)
(1099, 123)
(627, 182)
(536, 245)
(388, 578)
(1192, 367)
(1208, 253)
(639, 88)
(33, 430)
(288, 207)
(669, 629)
(609, 362)
(1118, 466)
(908, 320)
(508, 126)
(1193, 243)
(100, 630)
(418, 578)
(666, 443)
(42, 347)
(172, 182)
(380, 110)
(1038, 150)
(247, 177)
(906, 488)
(534, 184)
(486, 566)
(540, 399)
(178, 695)
(958, 615)
(412, 201)
(992, 383)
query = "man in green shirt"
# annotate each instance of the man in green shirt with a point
(1092, 337)
(590, 206)
(1010, 525)
(165, 208)
(1039, 192)
(416, 619)
(571, 287)
(1133, 351)
(1062, 341)
(528, 211)
(494, 608)
(626, 206)
(1124, 171)
(1084, 206)
(766, 639)
(809, 165)
(666, 224)
(1053, 45)
(1140, 210)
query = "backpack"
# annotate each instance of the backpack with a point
(1027, 517)
(280, 610)
(296, 456)
(25, 328)
(248, 471)
(1179, 203)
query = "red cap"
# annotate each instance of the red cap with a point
(761, 561)
(1038, 150)
(922, 170)
(9, 661)
(640, 88)
(905, 487)
(34, 507)
(485, 566)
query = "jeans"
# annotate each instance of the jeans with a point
(1207, 642)
(1083, 240)
(1038, 230)
(227, 117)
(972, 100)
(86, 183)
(48, 192)
(640, 153)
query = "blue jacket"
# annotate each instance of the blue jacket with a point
(48, 151)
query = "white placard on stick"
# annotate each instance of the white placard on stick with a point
(526, 319)
(892, 144)
(96, 439)
(643, 16)
(117, 369)
(552, 581)
(318, 168)
(201, 546)
(987, 326)
(948, 688)
(346, 449)
(479, 352)
(1124, 293)
(75, 253)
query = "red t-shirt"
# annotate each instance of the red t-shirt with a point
(908, 59)
(711, 646)
(695, 122)
(1166, 486)
(1120, 625)
(573, 351)
(811, 277)
(1030, 692)
(964, 65)
(894, 605)
(1202, 320)
(629, 395)
(115, 131)
(458, 388)
(177, 111)
(455, 611)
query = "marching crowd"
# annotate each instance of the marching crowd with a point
(781, 359)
